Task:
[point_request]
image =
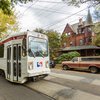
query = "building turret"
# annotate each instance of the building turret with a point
(89, 21)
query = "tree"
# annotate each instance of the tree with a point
(54, 41)
(21, 1)
(40, 30)
(5, 6)
(97, 40)
(96, 29)
(78, 2)
(6, 22)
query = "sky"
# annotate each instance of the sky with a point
(48, 14)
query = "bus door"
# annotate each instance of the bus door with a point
(16, 62)
(8, 62)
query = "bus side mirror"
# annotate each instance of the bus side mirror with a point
(29, 51)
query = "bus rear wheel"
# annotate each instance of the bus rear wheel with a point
(93, 70)
(2, 73)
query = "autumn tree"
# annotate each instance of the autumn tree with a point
(6, 22)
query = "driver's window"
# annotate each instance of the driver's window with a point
(75, 59)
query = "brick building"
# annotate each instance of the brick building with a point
(79, 37)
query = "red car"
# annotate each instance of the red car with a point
(85, 63)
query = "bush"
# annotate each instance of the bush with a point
(67, 56)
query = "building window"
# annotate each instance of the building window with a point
(68, 34)
(79, 30)
(88, 39)
(82, 30)
(65, 44)
(81, 42)
(89, 29)
(71, 43)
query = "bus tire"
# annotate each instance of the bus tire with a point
(93, 69)
(2, 73)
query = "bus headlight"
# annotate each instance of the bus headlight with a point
(30, 65)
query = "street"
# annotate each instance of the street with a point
(59, 85)
(11, 91)
(84, 81)
(71, 85)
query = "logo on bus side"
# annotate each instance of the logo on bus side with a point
(39, 64)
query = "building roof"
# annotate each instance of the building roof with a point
(89, 19)
(74, 27)
(80, 48)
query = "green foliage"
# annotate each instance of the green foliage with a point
(63, 38)
(78, 2)
(21, 1)
(67, 56)
(39, 30)
(6, 22)
(5, 6)
(97, 40)
(97, 28)
(54, 43)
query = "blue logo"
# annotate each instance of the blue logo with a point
(39, 64)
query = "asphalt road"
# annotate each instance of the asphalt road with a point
(11, 91)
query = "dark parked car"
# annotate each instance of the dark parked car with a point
(52, 64)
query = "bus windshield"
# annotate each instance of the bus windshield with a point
(38, 47)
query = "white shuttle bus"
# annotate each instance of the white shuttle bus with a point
(24, 55)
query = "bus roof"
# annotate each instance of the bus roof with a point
(18, 34)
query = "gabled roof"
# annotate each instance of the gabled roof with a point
(69, 26)
(74, 27)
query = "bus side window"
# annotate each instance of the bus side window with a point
(24, 47)
(14, 53)
(2, 50)
(19, 52)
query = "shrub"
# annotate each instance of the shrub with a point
(67, 56)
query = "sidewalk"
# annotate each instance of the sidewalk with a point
(77, 78)
(59, 92)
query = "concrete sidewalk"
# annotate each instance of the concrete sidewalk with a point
(60, 92)
(77, 78)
